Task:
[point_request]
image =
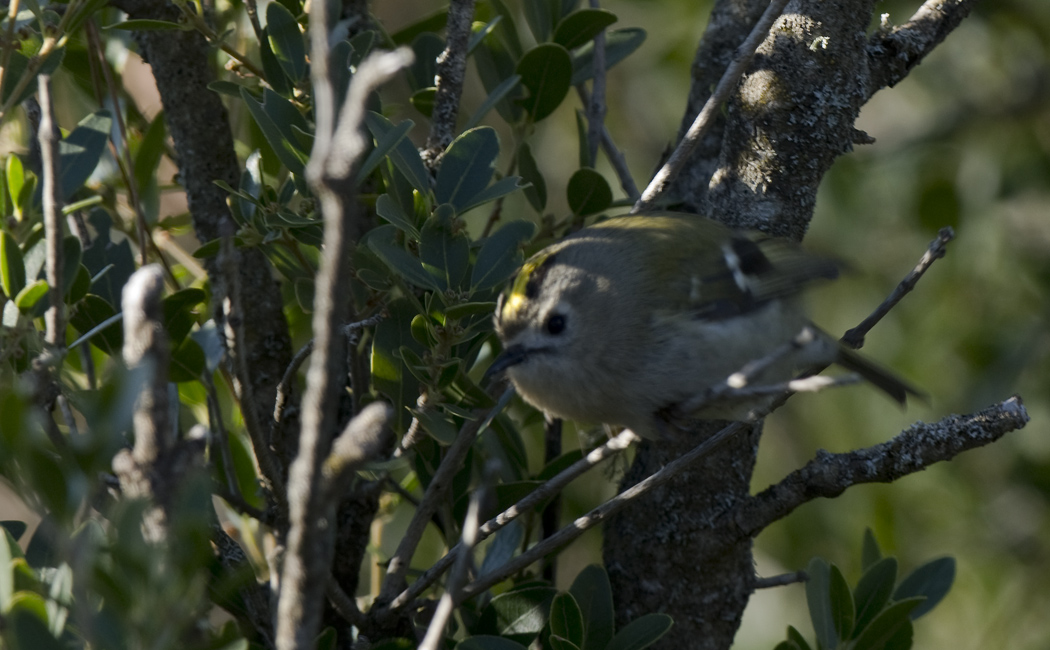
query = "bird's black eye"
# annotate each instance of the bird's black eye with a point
(555, 324)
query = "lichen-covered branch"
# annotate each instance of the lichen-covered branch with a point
(451, 70)
(894, 51)
(913, 450)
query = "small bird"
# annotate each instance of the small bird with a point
(634, 320)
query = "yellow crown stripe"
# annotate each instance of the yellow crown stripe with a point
(516, 298)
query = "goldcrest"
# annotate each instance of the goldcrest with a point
(632, 320)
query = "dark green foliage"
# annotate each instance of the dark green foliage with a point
(867, 617)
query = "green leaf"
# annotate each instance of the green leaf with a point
(15, 176)
(150, 151)
(582, 26)
(619, 44)
(17, 65)
(466, 309)
(467, 167)
(7, 578)
(870, 552)
(536, 191)
(873, 591)
(382, 242)
(187, 362)
(561, 643)
(27, 623)
(12, 266)
(445, 253)
(437, 425)
(786, 645)
(404, 156)
(796, 637)
(818, 599)
(588, 192)
(499, 189)
(92, 311)
(495, 65)
(546, 71)
(389, 375)
(81, 285)
(641, 633)
(276, 116)
(423, 100)
(388, 208)
(503, 547)
(275, 75)
(71, 255)
(479, 31)
(519, 614)
(538, 16)
(841, 604)
(178, 317)
(593, 594)
(488, 642)
(902, 640)
(427, 47)
(383, 147)
(500, 255)
(567, 619)
(498, 94)
(28, 297)
(286, 41)
(887, 625)
(932, 580)
(80, 151)
(149, 25)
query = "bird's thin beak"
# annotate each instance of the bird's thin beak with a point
(511, 356)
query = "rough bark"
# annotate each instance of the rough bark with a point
(200, 131)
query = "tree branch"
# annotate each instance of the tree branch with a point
(913, 450)
(451, 70)
(687, 145)
(893, 52)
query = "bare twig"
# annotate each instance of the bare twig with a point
(913, 450)
(435, 492)
(706, 116)
(451, 69)
(854, 338)
(596, 107)
(54, 229)
(534, 498)
(285, 388)
(343, 603)
(221, 446)
(780, 580)
(458, 575)
(613, 153)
